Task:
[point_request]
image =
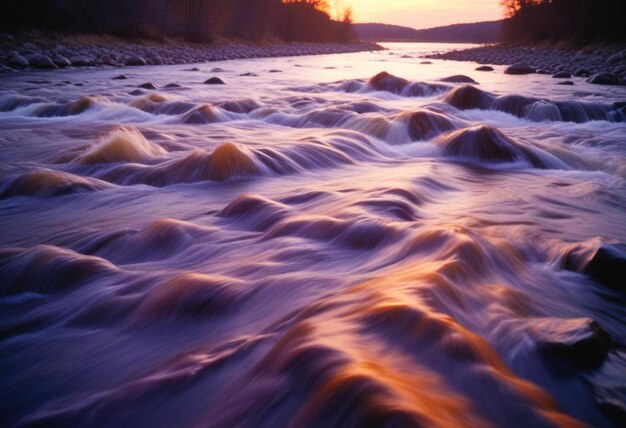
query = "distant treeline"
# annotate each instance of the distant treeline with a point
(580, 21)
(192, 20)
(477, 32)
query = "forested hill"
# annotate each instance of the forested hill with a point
(478, 32)
(192, 20)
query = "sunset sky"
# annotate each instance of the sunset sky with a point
(424, 13)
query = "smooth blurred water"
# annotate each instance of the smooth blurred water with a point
(306, 247)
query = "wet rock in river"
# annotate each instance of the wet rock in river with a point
(214, 81)
(484, 68)
(458, 78)
(120, 77)
(608, 266)
(148, 85)
(579, 341)
(562, 75)
(519, 68)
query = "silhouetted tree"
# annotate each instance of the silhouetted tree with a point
(193, 20)
(580, 21)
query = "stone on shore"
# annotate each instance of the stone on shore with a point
(61, 61)
(562, 75)
(519, 68)
(605, 79)
(582, 72)
(42, 61)
(135, 61)
(17, 61)
(80, 61)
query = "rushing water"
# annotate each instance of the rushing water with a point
(309, 247)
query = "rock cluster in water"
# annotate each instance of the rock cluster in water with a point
(601, 66)
(46, 55)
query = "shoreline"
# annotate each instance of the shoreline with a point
(102, 51)
(605, 65)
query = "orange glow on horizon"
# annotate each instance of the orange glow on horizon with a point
(422, 13)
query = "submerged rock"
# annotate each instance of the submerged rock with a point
(214, 81)
(458, 78)
(566, 83)
(608, 266)
(148, 85)
(484, 68)
(486, 144)
(519, 68)
(384, 81)
(469, 97)
(120, 77)
(580, 340)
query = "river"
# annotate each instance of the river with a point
(312, 244)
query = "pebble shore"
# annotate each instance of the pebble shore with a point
(603, 66)
(45, 55)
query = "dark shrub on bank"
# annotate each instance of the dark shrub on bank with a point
(579, 21)
(192, 20)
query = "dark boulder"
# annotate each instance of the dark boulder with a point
(214, 81)
(43, 62)
(566, 83)
(519, 68)
(148, 85)
(135, 61)
(61, 61)
(484, 68)
(582, 72)
(605, 79)
(578, 341)
(17, 61)
(562, 75)
(120, 77)
(608, 266)
(458, 78)
(80, 61)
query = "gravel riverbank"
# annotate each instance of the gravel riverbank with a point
(602, 65)
(45, 54)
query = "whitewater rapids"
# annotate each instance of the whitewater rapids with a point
(333, 241)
